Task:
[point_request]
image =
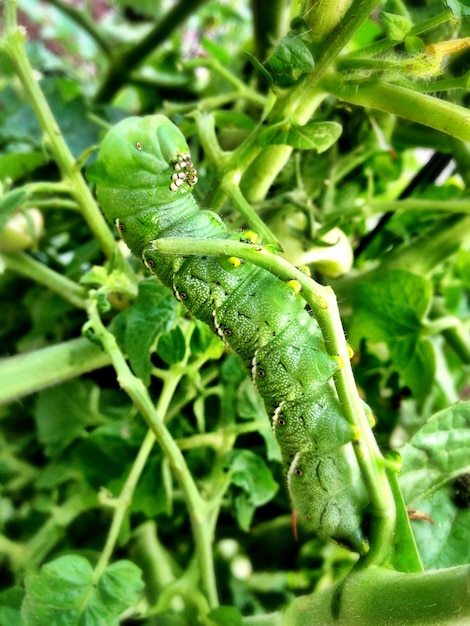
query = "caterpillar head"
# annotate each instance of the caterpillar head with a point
(143, 166)
(142, 151)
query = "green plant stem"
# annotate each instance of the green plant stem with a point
(158, 566)
(25, 265)
(33, 553)
(455, 335)
(255, 222)
(216, 439)
(123, 64)
(381, 596)
(332, 45)
(385, 44)
(197, 507)
(24, 374)
(122, 503)
(14, 46)
(207, 104)
(325, 309)
(242, 90)
(229, 171)
(405, 103)
(52, 203)
(426, 251)
(124, 499)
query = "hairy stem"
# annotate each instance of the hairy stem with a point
(26, 373)
(197, 508)
(25, 265)
(379, 596)
(405, 103)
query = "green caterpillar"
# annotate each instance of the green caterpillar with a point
(144, 176)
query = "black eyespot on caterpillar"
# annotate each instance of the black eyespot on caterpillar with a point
(263, 321)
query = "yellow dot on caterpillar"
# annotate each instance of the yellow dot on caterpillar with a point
(295, 285)
(251, 235)
(356, 434)
(340, 361)
(305, 270)
(350, 351)
(235, 261)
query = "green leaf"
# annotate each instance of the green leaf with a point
(10, 202)
(225, 616)
(416, 361)
(10, 606)
(172, 346)
(391, 309)
(252, 475)
(17, 165)
(63, 412)
(432, 459)
(65, 592)
(289, 61)
(204, 341)
(153, 313)
(233, 119)
(396, 26)
(317, 136)
(245, 509)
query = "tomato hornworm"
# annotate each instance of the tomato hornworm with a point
(144, 176)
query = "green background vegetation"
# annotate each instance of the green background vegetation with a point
(141, 482)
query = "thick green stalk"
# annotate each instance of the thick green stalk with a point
(26, 373)
(333, 44)
(406, 103)
(322, 16)
(380, 596)
(25, 265)
(14, 47)
(299, 103)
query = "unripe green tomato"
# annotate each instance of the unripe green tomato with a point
(22, 231)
